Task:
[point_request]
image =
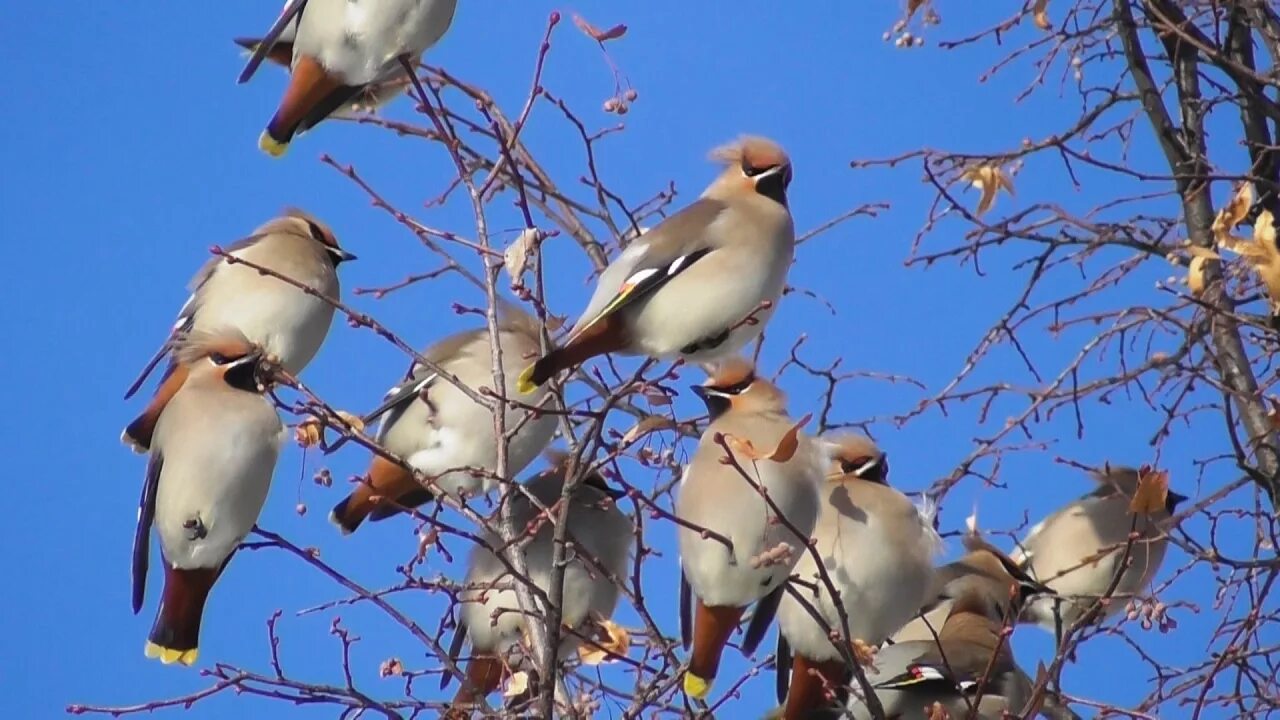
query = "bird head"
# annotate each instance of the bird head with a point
(733, 384)
(228, 356)
(301, 222)
(753, 165)
(857, 456)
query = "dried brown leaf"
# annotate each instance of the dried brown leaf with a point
(1040, 15)
(1153, 489)
(784, 451)
(516, 257)
(596, 33)
(517, 684)
(647, 425)
(390, 667)
(913, 6)
(989, 179)
(1232, 214)
(611, 641)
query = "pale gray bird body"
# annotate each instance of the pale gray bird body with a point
(1078, 550)
(909, 677)
(878, 552)
(686, 287)
(338, 49)
(441, 431)
(601, 538)
(211, 464)
(286, 322)
(716, 497)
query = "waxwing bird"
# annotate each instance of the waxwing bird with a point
(440, 431)
(286, 322)
(878, 552)
(338, 51)
(693, 286)
(600, 538)
(719, 583)
(970, 662)
(211, 463)
(1078, 550)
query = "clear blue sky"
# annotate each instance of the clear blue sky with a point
(130, 150)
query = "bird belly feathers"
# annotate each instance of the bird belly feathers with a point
(882, 578)
(213, 485)
(362, 41)
(744, 517)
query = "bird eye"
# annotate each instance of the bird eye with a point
(218, 358)
(737, 388)
(750, 171)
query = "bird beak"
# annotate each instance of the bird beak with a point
(1171, 501)
(717, 402)
(340, 255)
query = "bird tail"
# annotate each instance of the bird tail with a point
(138, 434)
(602, 337)
(385, 479)
(310, 86)
(483, 676)
(175, 635)
(281, 53)
(814, 685)
(712, 627)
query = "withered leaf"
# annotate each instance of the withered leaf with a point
(1040, 15)
(309, 433)
(516, 257)
(1153, 489)
(611, 641)
(596, 33)
(785, 450)
(647, 425)
(1261, 252)
(1195, 269)
(1232, 214)
(989, 179)
(517, 684)
(390, 667)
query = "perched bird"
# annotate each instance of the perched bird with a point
(211, 464)
(284, 321)
(1078, 550)
(689, 287)
(877, 550)
(909, 677)
(440, 431)
(717, 497)
(338, 50)
(600, 538)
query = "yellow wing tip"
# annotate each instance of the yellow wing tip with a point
(525, 382)
(270, 145)
(169, 656)
(695, 687)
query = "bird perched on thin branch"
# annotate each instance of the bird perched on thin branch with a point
(761, 496)
(445, 434)
(971, 663)
(1080, 549)
(702, 283)
(287, 322)
(877, 551)
(600, 538)
(211, 463)
(338, 51)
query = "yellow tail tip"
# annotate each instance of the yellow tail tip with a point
(270, 145)
(169, 656)
(695, 687)
(525, 382)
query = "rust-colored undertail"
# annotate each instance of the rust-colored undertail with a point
(140, 432)
(712, 627)
(175, 635)
(310, 87)
(483, 676)
(606, 336)
(385, 479)
(811, 680)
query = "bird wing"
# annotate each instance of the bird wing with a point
(782, 674)
(292, 9)
(686, 611)
(187, 315)
(142, 534)
(651, 261)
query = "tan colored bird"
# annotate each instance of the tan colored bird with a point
(337, 50)
(600, 538)
(215, 450)
(1078, 550)
(716, 496)
(970, 657)
(688, 287)
(283, 320)
(878, 552)
(443, 433)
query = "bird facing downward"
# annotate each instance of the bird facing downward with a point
(877, 551)
(445, 434)
(724, 500)
(701, 284)
(286, 322)
(211, 463)
(339, 50)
